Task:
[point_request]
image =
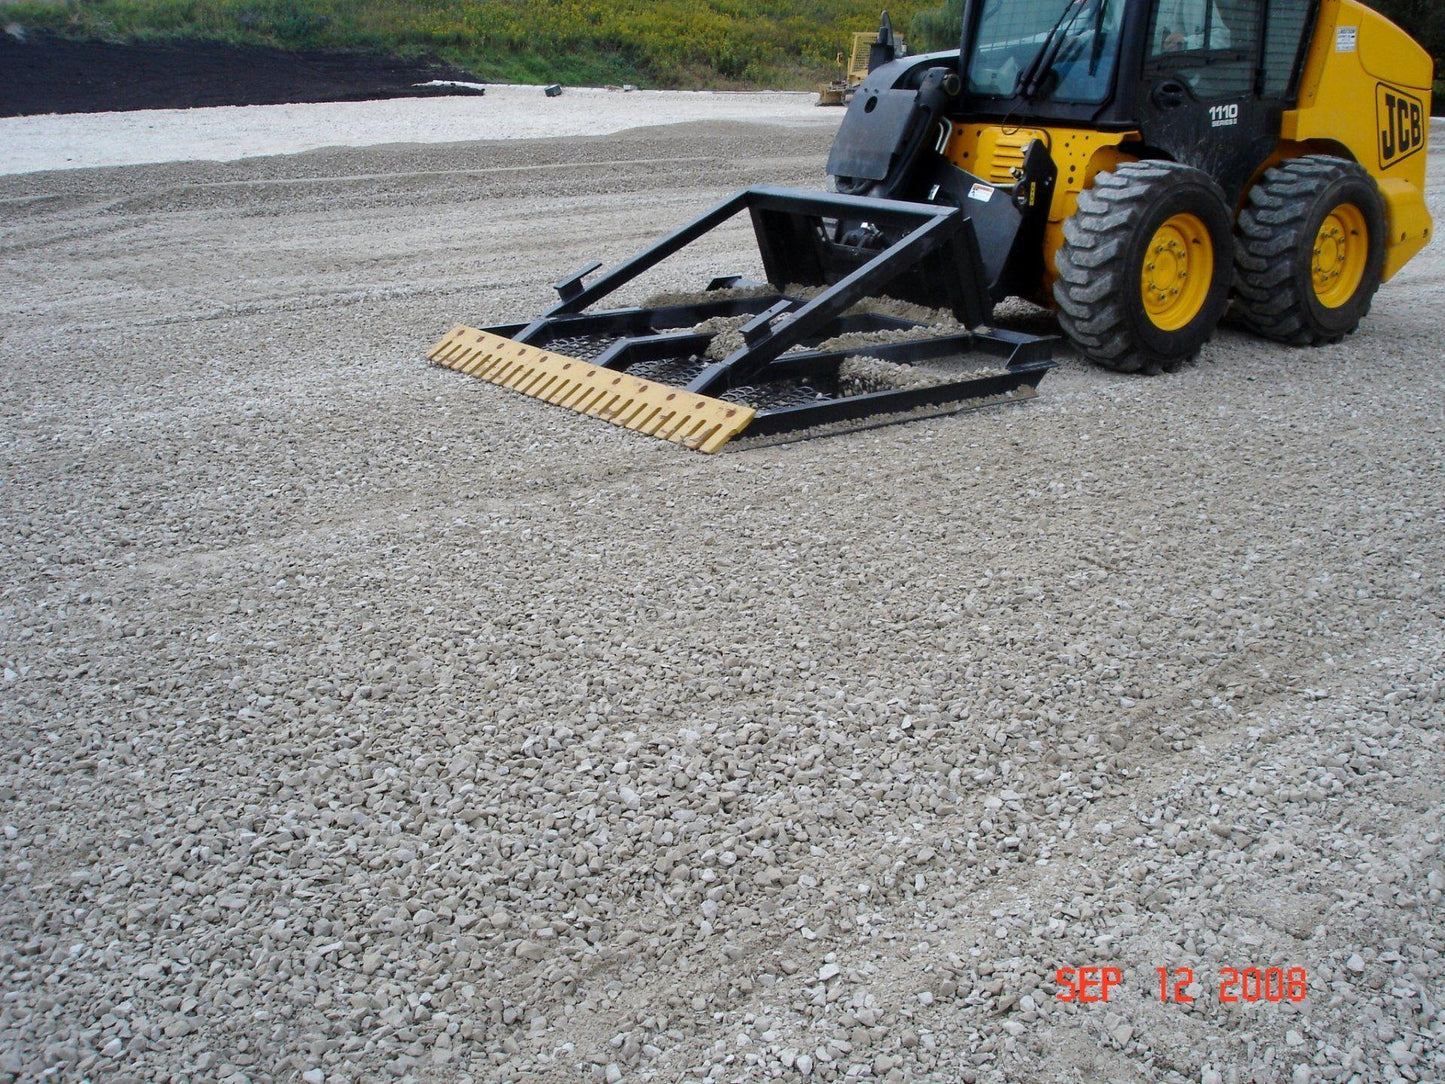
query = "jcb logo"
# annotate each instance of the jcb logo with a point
(1402, 124)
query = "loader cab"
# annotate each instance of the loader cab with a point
(1204, 82)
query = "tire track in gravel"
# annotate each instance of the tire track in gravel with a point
(1073, 864)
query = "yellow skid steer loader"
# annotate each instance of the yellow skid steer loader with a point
(1136, 165)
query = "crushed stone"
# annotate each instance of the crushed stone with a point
(363, 721)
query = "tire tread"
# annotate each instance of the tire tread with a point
(1092, 278)
(1272, 227)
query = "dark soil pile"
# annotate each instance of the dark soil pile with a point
(47, 74)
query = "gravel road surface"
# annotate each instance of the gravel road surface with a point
(364, 721)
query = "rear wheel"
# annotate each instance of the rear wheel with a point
(1145, 268)
(1311, 251)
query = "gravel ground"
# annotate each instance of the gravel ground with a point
(365, 721)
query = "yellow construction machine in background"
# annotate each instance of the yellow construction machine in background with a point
(850, 77)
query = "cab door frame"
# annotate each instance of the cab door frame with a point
(1228, 131)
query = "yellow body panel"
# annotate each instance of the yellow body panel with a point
(1366, 87)
(694, 421)
(994, 153)
(1409, 220)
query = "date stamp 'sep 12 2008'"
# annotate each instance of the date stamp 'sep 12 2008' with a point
(1235, 985)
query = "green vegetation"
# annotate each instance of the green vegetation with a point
(939, 27)
(658, 43)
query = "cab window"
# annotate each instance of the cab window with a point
(1081, 38)
(1209, 45)
(1284, 35)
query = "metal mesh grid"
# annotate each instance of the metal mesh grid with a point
(581, 347)
(678, 371)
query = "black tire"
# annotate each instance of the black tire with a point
(1275, 255)
(1102, 261)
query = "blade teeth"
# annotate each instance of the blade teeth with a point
(446, 353)
(560, 390)
(671, 431)
(645, 421)
(711, 442)
(578, 395)
(615, 404)
(470, 360)
(474, 363)
(690, 434)
(508, 372)
(451, 342)
(574, 399)
(672, 414)
(588, 403)
(598, 407)
(487, 367)
(529, 381)
(700, 436)
(656, 422)
(636, 414)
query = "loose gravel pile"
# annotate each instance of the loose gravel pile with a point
(366, 722)
(726, 332)
(861, 374)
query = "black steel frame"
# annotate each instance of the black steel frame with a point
(796, 233)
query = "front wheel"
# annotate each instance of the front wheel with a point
(1145, 269)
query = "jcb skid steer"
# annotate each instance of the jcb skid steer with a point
(1134, 164)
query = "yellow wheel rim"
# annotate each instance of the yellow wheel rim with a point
(1341, 251)
(1178, 268)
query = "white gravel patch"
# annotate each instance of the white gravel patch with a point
(229, 133)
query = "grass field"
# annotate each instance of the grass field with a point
(657, 43)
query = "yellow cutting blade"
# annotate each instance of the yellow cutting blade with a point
(694, 421)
